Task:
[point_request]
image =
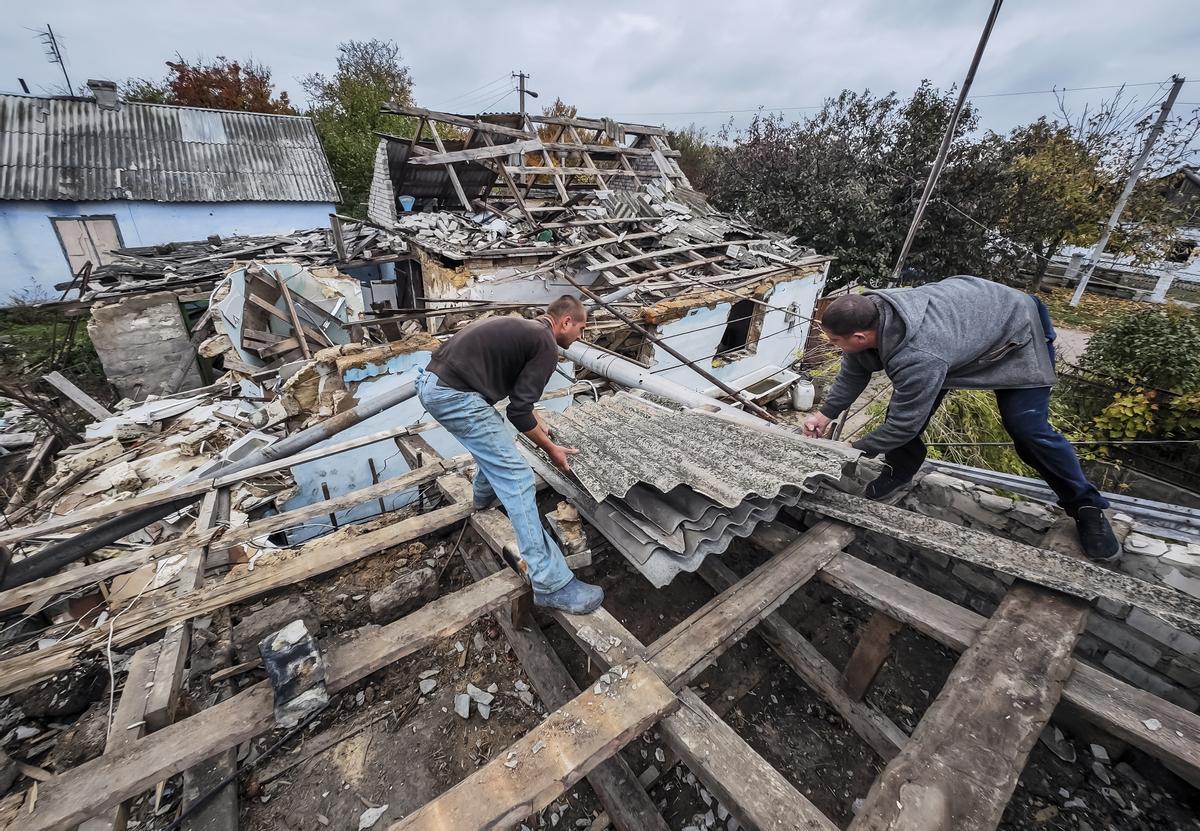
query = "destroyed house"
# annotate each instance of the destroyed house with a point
(269, 602)
(82, 177)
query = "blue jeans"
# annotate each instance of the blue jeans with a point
(1025, 414)
(500, 472)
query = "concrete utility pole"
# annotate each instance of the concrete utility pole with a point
(940, 160)
(1155, 132)
(521, 77)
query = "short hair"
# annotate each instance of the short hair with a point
(567, 306)
(850, 313)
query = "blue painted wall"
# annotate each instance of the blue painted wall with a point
(30, 253)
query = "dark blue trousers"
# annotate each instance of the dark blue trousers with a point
(1026, 416)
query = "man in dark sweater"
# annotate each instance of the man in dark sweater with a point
(959, 333)
(510, 357)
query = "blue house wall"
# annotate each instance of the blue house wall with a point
(32, 259)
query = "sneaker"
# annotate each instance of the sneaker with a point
(576, 598)
(1096, 535)
(884, 485)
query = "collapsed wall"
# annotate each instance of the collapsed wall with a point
(1128, 643)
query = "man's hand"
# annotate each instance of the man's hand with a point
(560, 456)
(815, 425)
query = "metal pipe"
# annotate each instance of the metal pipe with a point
(56, 555)
(628, 374)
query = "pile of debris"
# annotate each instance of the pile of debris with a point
(179, 264)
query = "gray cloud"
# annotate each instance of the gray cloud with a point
(668, 62)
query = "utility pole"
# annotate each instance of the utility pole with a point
(1130, 183)
(940, 160)
(55, 55)
(521, 76)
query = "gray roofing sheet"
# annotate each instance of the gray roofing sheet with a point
(667, 487)
(624, 441)
(69, 148)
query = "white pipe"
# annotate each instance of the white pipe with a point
(628, 374)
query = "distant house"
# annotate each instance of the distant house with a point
(80, 177)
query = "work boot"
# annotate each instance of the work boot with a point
(1096, 535)
(884, 485)
(490, 502)
(577, 598)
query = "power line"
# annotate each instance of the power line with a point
(493, 83)
(497, 101)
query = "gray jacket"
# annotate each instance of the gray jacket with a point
(959, 333)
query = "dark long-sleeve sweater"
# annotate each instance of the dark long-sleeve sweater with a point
(501, 357)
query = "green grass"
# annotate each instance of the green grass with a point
(27, 338)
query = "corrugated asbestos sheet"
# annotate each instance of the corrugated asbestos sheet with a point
(69, 148)
(669, 487)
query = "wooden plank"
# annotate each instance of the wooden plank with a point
(1119, 708)
(870, 652)
(456, 120)
(521, 781)
(80, 398)
(539, 170)
(128, 724)
(451, 172)
(625, 801)
(1043, 566)
(96, 786)
(744, 782)
(292, 316)
(476, 153)
(320, 556)
(961, 765)
(815, 670)
(595, 124)
(685, 651)
(176, 643)
(271, 309)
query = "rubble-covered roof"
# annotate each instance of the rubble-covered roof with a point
(71, 148)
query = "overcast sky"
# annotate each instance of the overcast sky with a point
(673, 62)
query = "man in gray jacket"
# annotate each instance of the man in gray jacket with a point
(959, 333)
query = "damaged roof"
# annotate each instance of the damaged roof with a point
(72, 149)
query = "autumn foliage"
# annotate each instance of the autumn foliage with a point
(221, 84)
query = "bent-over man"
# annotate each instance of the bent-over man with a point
(959, 333)
(510, 357)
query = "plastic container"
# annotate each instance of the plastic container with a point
(803, 395)
(407, 202)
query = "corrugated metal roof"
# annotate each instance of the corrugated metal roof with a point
(667, 487)
(69, 148)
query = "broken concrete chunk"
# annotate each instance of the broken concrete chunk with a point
(254, 627)
(428, 685)
(412, 591)
(479, 696)
(429, 673)
(462, 705)
(370, 817)
(485, 711)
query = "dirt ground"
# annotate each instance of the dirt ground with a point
(383, 743)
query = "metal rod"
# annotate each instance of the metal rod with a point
(1115, 217)
(940, 160)
(708, 376)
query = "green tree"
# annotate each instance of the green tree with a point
(346, 110)
(696, 155)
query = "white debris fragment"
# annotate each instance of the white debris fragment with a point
(1100, 754)
(659, 756)
(1152, 724)
(510, 761)
(428, 685)
(370, 817)
(520, 686)
(462, 705)
(538, 746)
(485, 711)
(429, 673)
(493, 687)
